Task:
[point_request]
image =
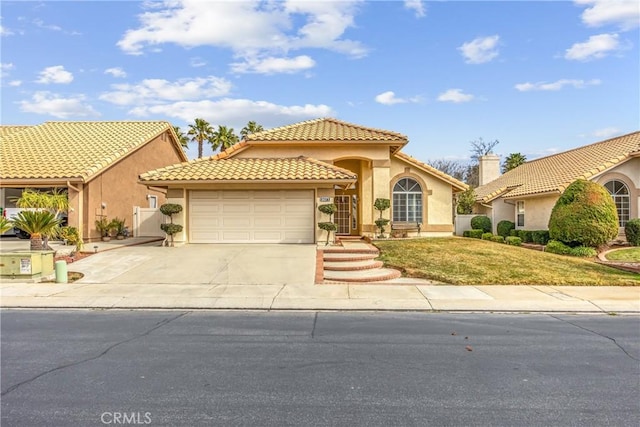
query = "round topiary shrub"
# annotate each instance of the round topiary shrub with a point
(504, 228)
(632, 231)
(481, 222)
(584, 215)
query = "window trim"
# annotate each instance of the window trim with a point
(418, 215)
(623, 217)
(520, 213)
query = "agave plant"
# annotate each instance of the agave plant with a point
(38, 224)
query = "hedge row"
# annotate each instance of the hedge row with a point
(632, 231)
(540, 237)
(557, 247)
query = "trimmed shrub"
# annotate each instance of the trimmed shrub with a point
(497, 239)
(559, 248)
(585, 214)
(481, 222)
(474, 234)
(504, 228)
(525, 236)
(513, 241)
(583, 251)
(541, 237)
(514, 233)
(556, 247)
(632, 231)
(486, 236)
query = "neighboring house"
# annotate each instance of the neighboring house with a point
(267, 188)
(527, 194)
(97, 162)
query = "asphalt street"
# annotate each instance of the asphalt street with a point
(178, 368)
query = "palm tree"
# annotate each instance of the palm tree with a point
(182, 138)
(37, 224)
(251, 127)
(201, 131)
(55, 201)
(224, 137)
(512, 161)
(5, 225)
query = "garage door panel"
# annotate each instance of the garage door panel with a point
(260, 208)
(274, 216)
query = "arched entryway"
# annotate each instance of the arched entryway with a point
(349, 200)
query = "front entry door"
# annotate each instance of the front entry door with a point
(343, 214)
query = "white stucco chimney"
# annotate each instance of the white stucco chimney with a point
(489, 168)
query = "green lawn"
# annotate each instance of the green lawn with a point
(465, 261)
(625, 255)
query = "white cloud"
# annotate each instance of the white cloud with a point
(606, 132)
(456, 96)
(151, 91)
(197, 62)
(596, 47)
(55, 74)
(116, 72)
(5, 67)
(57, 106)
(480, 50)
(390, 98)
(624, 13)
(250, 29)
(557, 85)
(273, 65)
(4, 31)
(15, 83)
(416, 5)
(234, 112)
(40, 24)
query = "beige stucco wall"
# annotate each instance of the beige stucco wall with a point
(118, 186)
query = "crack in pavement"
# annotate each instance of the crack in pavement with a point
(79, 362)
(598, 334)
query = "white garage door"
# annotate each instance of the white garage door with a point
(251, 217)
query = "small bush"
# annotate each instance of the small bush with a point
(632, 231)
(525, 235)
(541, 237)
(486, 236)
(513, 241)
(559, 248)
(583, 251)
(497, 239)
(481, 222)
(556, 247)
(474, 234)
(505, 227)
(514, 233)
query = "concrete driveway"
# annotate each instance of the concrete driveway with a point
(228, 264)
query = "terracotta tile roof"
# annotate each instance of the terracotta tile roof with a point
(554, 173)
(231, 169)
(433, 171)
(8, 130)
(72, 150)
(326, 129)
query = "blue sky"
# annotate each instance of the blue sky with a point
(540, 77)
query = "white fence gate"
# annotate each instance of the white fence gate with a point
(146, 222)
(463, 222)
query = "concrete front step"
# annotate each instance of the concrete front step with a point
(347, 256)
(352, 265)
(370, 275)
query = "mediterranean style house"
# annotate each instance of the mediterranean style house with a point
(267, 188)
(527, 194)
(97, 162)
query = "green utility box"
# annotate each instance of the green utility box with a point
(26, 264)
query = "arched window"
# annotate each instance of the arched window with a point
(407, 200)
(620, 193)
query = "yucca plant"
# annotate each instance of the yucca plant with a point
(38, 224)
(5, 225)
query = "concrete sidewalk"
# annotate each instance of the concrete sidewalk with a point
(410, 297)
